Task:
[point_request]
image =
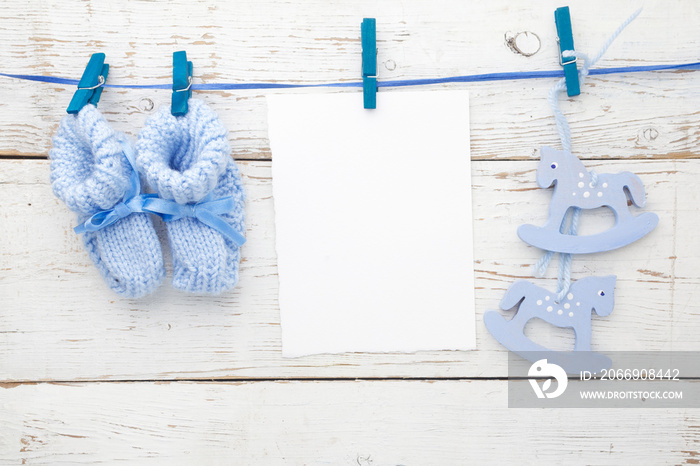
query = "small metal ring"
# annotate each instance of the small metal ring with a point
(101, 83)
(513, 43)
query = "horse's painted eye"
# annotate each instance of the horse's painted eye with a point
(601, 293)
(554, 165)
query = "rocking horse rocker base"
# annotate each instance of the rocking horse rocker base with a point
(574, 311)
(615, 237)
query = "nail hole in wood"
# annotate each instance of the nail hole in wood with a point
(650, 134)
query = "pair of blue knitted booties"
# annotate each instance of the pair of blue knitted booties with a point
(197, 187)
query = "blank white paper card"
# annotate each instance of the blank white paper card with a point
(373, 220)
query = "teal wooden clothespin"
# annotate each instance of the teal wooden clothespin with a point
(369, 62)
(565, 37)
(90, 85)
(182, 83)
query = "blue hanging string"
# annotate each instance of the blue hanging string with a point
(509, 76)
(569, 225)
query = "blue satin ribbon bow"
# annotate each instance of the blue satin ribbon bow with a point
(133, 200)
(207, 211)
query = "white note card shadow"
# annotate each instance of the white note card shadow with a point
(373, 219)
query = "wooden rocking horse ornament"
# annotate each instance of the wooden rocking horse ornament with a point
(574, 311)
(574, 187)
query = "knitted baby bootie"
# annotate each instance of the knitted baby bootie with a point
(186, 160)
(91, 173)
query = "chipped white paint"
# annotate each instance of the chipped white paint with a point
(59, 322)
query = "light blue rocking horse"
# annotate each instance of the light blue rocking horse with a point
(574, 311)
(575, 187)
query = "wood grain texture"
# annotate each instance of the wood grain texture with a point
(644, 115)
(327, 423)
(60, 322)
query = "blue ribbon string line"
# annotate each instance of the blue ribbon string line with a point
(509, 76)
(207, 211)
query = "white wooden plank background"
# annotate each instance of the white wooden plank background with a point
(134, 371)
(316, 41)
(327, 423)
